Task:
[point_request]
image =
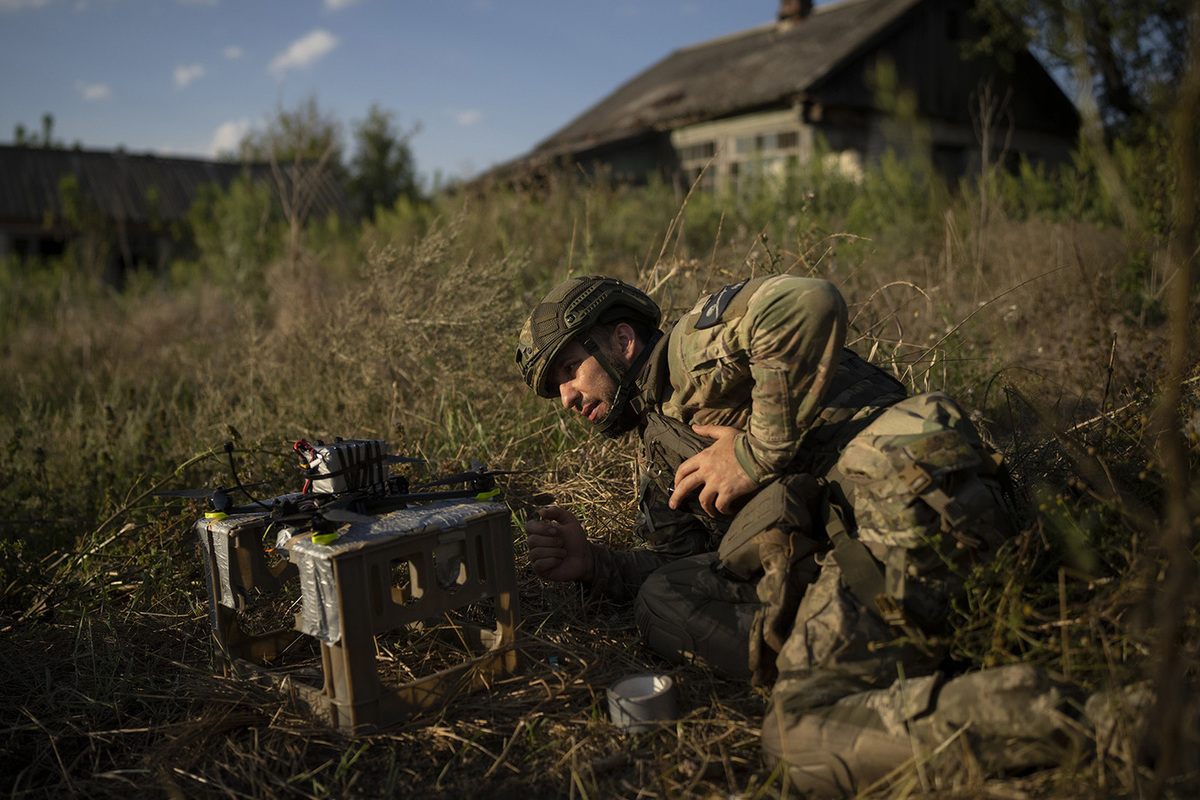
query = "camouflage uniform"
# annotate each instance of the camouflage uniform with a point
(835, 577)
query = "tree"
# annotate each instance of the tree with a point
(236, 230)
(302, 135)
(1134, 51)
(304, 149)
(91, 226)
(22, 138)
(382, 169)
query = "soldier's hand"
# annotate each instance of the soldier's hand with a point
(558, 546)
(714, 472)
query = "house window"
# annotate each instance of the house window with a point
(951, 162)
(697, 164)
(766, 143)
(703, 179)
(697, 152)
(742, 155)
(763, 157)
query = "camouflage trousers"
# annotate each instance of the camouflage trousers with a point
(845, 573)
(844, 591)
(836, 736)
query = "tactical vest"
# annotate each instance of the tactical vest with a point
(922, 495)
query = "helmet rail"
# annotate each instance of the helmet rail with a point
(573, 308)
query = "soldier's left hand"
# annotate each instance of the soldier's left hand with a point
(714, 472)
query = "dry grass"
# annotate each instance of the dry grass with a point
(112, 690)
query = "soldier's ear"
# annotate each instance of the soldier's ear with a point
(626, 341)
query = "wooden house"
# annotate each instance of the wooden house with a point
(755, 101)
(50, 197)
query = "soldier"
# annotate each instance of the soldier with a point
(806, 523)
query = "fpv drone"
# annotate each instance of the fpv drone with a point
(346, 481)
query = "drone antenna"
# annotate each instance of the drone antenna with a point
(237, 482)
(232, 465)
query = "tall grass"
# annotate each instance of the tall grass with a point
(404, 330)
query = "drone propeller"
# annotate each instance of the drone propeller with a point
(219, 497)
(344, 515)
(405, 460)
(479, 473)
(193, 494)
(304, 512)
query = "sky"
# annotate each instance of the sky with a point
(478, 82)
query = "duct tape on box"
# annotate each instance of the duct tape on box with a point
(319, 612)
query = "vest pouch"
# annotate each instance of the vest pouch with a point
(924, 504)
(667, 444)
(770, 518)
(891, 472)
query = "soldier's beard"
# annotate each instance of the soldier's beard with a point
(616, 418)
(604, 400)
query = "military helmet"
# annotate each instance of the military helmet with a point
(573, 307)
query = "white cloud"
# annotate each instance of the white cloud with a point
(232, 52)
(467, 116)
(186, 73)
(93, 91)
(228, 136)
(338, 5)
(304, 52)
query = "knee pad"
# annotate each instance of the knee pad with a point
(826, 756)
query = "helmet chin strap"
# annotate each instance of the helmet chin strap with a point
(615, 422)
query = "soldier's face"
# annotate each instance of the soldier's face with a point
(583, 385)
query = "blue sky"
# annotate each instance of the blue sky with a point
(486, 80)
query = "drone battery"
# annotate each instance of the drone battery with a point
(349, 465)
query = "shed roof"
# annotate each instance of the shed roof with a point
(127, 188)
(760, 67)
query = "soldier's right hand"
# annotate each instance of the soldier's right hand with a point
(558, 546)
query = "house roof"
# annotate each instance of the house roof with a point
(760, 67)
(127, 188)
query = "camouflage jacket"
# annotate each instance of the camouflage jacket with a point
(765, 356)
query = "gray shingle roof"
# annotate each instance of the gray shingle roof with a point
(761, 67)
(121, 185)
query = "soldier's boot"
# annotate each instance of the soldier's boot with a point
(1003, 720)
(1009, 719)
(842, 748)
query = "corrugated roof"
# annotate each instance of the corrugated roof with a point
(127, 188)
(760, 67)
